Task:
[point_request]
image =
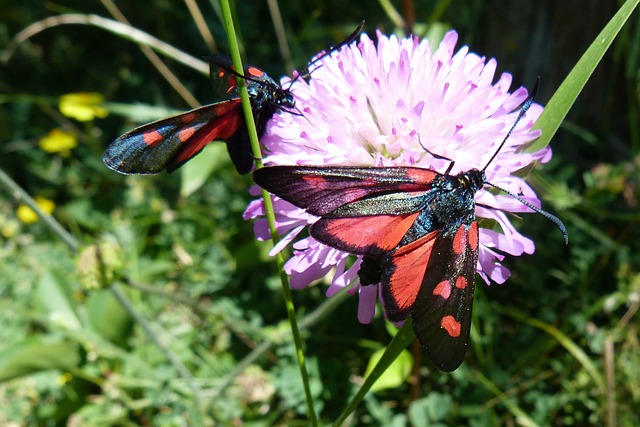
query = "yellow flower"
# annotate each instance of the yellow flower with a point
(83, 106)
(28, 216)
(58, 141)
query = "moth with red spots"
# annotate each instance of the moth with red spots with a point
(169, 143)
(416, 230)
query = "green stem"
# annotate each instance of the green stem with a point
(19, 194)
(268, 205)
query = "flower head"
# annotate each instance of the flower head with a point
(29, 216)
(58, 141)
(393, 105)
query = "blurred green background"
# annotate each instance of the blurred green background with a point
(558, 344)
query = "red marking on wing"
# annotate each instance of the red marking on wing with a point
(409, 267)
(443, 289)
(322, 183)
(228, 120)
(232, 83)
(255, 72)
(186, 133)
(152, 137)
(472, 236)
(442, 324)
(451, 325)
(366, 235)
(328, 182)
(316, 181)
(227, 107)
(461, 282)
(421, 176)
(189, 117)
(460, 240)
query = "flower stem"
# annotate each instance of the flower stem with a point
(255, 147)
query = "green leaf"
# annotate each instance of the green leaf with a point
(35, 354)
(431, 409)
(395, 375)
(55, 297)
(107, 316)
(562, 100)
(196, 172)
(402, 339)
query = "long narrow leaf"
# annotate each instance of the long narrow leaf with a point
(402, 339)
(558, 107)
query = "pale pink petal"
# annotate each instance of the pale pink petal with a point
(367, 303)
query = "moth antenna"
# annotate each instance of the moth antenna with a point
(527, 104)
(537, 210)
(523, 110)
(351, 37)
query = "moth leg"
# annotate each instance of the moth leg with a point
(438, 156)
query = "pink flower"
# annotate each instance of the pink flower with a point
(369, 105)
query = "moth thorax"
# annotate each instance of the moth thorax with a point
(472, 180)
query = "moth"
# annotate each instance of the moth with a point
(416, 230)
(169, 143)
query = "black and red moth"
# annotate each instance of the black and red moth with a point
(169, 143)
(416, 230)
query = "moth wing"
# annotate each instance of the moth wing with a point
(366, 235)
(323, 190)
(223, 80)
(432, 280)
(170, 142)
